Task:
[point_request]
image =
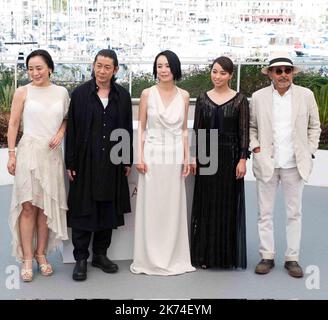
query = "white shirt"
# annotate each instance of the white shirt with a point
(104, 101)
(284, 155)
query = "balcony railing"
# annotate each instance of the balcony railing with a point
(134, 68)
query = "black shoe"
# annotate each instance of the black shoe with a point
(294, 269)
(80, 270)
(102, 262)
(264, 266)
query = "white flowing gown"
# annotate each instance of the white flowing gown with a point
(161, 244)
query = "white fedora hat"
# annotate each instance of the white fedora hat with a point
(279, 59)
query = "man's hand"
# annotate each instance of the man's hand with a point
(127, 171)
(71, 174)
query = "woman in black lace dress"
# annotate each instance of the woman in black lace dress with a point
(220, 150)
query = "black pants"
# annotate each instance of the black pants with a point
(81, 240)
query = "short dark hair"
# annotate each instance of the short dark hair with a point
(107, 53)
(225, 63)
(44, 55)
(174, 63)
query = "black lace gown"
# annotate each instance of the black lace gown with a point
(218, 230)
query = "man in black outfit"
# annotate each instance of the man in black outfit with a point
(98, 161)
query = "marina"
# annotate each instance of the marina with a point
(244, 30)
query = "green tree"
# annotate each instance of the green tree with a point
(252, 79)
(7, 89)
(196, 81)
(310, 80)
(321, 96)
(140, 83)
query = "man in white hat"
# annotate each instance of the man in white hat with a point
(284, 135)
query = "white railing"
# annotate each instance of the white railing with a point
(185, 62)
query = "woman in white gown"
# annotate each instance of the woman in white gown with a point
(161, 245)
(38, 208)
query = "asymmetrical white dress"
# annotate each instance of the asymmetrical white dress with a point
(161, 245)
(39, 176)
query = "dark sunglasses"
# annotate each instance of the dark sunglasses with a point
(287, 70)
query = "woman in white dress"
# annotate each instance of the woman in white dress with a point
(161, 245)
(38, 207)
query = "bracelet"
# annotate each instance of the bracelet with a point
(11, 150)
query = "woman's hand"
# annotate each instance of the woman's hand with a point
(241, 169)
(186, 169)
(142, 167)
(11, 165)
(193, 166)
(56, 140)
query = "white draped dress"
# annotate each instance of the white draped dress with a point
(161, 244)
